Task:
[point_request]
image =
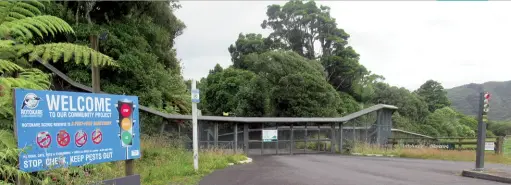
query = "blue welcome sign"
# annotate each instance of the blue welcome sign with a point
(61, 129)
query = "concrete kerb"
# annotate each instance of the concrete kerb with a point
(248, 160)
(372, 155)
(485, 175)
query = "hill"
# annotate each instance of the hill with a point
(464, 99)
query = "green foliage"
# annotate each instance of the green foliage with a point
(410, 105)
(298, 25)
(500, 128)
(446, 122)
(141, 39)
(222, 87)
(434, 95)
(347, 104)
(277, 83)
(246, 44)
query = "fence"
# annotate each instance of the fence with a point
(296, 135)
(448, 143)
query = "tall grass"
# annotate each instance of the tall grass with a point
(430, 153)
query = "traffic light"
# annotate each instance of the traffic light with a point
(125, 108)
(486, 107)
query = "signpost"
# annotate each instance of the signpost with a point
(195, 100)
(270, 135)
(64, 129)
(484, 107)
(489, 146)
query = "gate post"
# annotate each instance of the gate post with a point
(215, 134)
(292, 148)
(235, 137)
(245, 137)
(332, 138)
(340, 137)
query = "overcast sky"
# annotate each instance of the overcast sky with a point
(408, 43)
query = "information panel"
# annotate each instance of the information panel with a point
(269, 135)
(60, 129)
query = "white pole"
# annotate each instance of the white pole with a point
(195, 131)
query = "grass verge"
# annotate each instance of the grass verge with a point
(162, 163)
(431, 153)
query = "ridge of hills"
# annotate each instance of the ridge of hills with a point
(464, 98)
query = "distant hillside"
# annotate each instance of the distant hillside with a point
(464, 99)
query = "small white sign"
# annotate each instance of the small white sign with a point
(489, 146)
(270, 135)
(195, 96)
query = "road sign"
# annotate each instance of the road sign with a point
(195, 96)
(85, 127)
(270, 135)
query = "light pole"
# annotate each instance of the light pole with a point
(484, 107)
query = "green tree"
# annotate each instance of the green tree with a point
(246, 44)
(298, 25)
(254, 98)
(294, 81)
(221, 89)
(446, 122)
(217, 69)
(410, 105)
(434, 94)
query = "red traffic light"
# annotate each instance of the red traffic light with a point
(125, 110)
(487, 96)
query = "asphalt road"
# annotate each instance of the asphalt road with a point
(345, 170)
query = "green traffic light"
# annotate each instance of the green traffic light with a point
(126, 137)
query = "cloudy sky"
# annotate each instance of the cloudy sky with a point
(407, 42)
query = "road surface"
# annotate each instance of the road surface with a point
(345, 170)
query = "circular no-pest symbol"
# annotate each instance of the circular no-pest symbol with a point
(80, 138)
(43, 139)
(63, 138)
(97, 136)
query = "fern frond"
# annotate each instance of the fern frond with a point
(36, 76)
(8, 66)
(82, 54)
(14, 10)
(22, 83)
(41, 25)
(6, 43)
(7, 139)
